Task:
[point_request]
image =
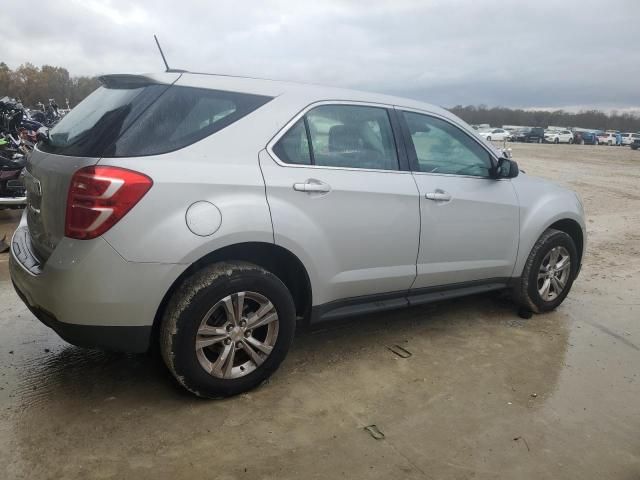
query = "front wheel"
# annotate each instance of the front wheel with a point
(570, 141)
(227, 329)
(549, 272)
(488, 139)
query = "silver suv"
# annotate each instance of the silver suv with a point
(209, 214)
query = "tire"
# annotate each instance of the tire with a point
(556, 141)
(570, 141)
(527, 291)
(609, 143)
(539, 140)
(200, 304)
(488, 139)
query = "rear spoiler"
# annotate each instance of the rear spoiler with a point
(124, 80)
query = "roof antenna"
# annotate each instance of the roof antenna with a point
(161, 53)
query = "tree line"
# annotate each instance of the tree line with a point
(33, 84)
(593, 119)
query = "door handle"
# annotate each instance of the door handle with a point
(312, 185)
(438, 196)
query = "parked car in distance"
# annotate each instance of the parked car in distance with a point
(559, 136)
(607, 138)
(628, 138)
(496, 134)
(209, 215)
(582, 137)
(529, 135)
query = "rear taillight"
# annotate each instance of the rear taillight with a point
(99, 197)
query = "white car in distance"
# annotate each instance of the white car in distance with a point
(559, 136)
(497, 134)
(628, 138)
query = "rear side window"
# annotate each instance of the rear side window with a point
(147, 120)
(347, 136)
(293, 147)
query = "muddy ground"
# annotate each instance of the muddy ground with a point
(485, 394)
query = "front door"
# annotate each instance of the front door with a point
(469, 221)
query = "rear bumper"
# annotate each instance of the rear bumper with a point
(89, 294)
(119, 338)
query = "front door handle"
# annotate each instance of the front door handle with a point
(438, 196)
(312, 185)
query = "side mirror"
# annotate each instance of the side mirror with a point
(506, 168)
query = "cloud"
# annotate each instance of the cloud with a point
(542, 53)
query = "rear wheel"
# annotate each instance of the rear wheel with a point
(556, 141)
(488, 139)
(227, 329)
(549, 272)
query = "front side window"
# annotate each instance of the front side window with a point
(441, 147)
(347, 136)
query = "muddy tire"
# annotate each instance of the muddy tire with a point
(549, 272)
(227, 328)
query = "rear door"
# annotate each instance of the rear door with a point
(342, 200)
(469, 221)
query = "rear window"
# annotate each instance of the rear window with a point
(146, 120)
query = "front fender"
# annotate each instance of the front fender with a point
(542, 204)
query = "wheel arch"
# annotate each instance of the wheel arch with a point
(274, 258)
(574, 230)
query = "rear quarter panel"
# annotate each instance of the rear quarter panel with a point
(222, 169)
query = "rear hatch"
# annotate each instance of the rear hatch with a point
(80, 139)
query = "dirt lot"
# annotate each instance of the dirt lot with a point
(485, 394)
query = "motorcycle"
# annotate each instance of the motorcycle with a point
(12, 189)
(17, 135)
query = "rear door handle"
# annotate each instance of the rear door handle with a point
(438, 196)
(312, 185)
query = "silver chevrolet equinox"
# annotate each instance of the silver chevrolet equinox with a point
(208, 215)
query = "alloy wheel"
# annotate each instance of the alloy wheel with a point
(553, 274)
(237, 335)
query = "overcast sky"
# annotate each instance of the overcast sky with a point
(536, 53)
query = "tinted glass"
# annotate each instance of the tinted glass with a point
(97, 121)
(146, 120)
(352, 136)
(293, 147)
(441, 147)
(182, 116)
